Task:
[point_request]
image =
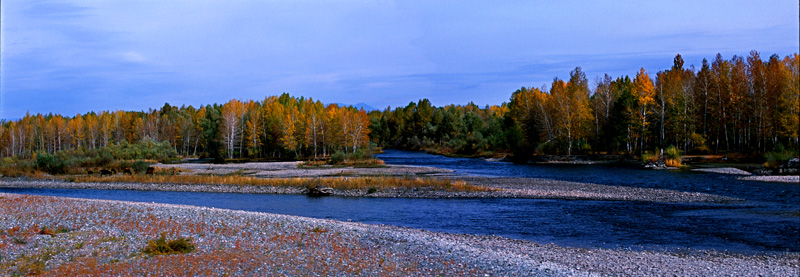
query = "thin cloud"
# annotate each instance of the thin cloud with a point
(136, 55)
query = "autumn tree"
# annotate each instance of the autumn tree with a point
(231, 121)
(602, 102)
(253, 130)
(643, 93)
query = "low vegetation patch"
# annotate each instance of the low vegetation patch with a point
(673, 156)
(342, 183)
(162, 246)
(779, 157)
(122, 157)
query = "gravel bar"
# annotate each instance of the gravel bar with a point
(102, 237)
(773, 178)
(503, 188)
(293, 169)
(723, 170)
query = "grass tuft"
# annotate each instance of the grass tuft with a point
(162, 246)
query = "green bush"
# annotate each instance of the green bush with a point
(360, 155)
(146, 149)
(337, 158)
(673, 153)
(778, 157)
(648, 157)
(50, 164)
(673, 156)
(140, 166)
(161, 246)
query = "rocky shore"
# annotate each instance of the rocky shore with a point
(499, 188)
(100, 237)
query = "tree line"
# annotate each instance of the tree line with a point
(277, 127)
(744, 105)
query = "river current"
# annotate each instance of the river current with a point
(769, 219)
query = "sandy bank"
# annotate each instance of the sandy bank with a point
(105, 237)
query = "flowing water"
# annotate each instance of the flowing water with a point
(769, 219)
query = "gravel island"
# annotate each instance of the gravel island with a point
(496, 188)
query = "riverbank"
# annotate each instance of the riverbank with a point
(106, 237)
(489, 187)
(294, 169)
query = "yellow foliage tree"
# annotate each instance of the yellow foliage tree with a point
(230, 130)
(644, 95)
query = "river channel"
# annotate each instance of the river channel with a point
(769, 219)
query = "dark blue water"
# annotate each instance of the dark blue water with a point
(681, 180)
(759, 224)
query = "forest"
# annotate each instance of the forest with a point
(744, 105)
(279, 127)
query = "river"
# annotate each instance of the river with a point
(768, 221)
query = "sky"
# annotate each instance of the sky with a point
(71, 57)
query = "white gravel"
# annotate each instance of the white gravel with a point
(773, 178)
(723, 170)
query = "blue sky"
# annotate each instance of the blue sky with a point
(72, 57)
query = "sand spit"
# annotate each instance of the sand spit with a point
(773, 178)
(724, 170)
(555, 189)
(101, 237)
(503, 188)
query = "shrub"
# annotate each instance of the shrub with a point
(674, 156)
(647, 157)
(778, 157)
(17, 168)
(143, 149)
(161, 246)
(360, 155)
(140, 166)
(101, 159)
(337, 158)
(50, 164)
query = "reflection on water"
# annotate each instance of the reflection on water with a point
(767, 221)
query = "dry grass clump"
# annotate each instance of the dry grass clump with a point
(106, 238)
(673, 156)
(162, 246)
(356, 163)
(342, 183)
(673, 163)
